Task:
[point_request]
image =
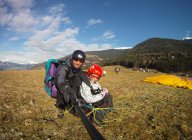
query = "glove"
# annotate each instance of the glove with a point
(71, 95)
(105, 90)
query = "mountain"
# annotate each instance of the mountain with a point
(152, 53)
(165, 55)
(108, 54)
(10, 65)
(94, 57)
(101, 56)
(160, 45)
(188, 40)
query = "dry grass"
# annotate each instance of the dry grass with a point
(142, 110)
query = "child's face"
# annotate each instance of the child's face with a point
(94, 78)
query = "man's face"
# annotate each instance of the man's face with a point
(77, 63)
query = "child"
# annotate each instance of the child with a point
(95, 95)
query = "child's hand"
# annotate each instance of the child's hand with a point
(105, 90)
(103, 93)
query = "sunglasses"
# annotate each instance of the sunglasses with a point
(76, 59)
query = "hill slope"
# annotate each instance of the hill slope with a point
(94, 57)
(152, 53)
(142, 110)
(166, 55)
(108, 54)
(160, 45)
(10, 65)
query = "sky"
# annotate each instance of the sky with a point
(33, 31)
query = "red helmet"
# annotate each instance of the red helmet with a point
(96, 70)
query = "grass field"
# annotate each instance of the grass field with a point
(142, 110)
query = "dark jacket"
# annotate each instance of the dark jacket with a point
(64, 81)
(63, 71)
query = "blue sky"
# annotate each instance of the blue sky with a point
(32, 31)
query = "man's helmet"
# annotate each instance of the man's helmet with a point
(79, 55)
(96, 70)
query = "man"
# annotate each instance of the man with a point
(65, 79)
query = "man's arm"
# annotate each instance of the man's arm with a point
(61, 78)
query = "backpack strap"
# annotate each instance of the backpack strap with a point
(84, 78)
(61, 62)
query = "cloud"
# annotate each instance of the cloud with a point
(5, 17)
(122, 48)
(14, 39)
(66, 20)
(47, 44)
(97, 47)
(59, 44)
(23, 21)
(17, 15)
(22, 57)
(57, 9)
(108, 35)
(49, 38)
(37, 55)
(187, 38)
(91, 22)
(45, 37)
(19, 4)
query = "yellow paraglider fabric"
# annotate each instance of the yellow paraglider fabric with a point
(170, 80)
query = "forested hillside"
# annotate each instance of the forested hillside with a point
(166, 55)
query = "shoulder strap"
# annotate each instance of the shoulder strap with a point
(84, 78)
(61, 62)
